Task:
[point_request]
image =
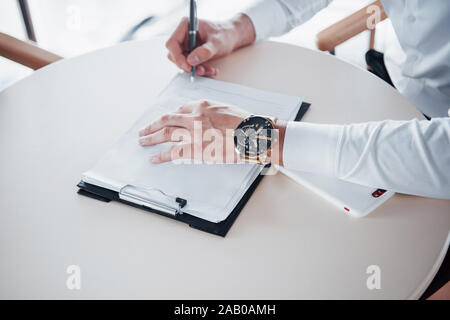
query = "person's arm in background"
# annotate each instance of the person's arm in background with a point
(272, 18)
(410, 157)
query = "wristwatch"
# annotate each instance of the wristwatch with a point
(254, 139)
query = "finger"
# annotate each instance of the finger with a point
(200, 71)
(175, 45)
(170, 57)
(164, 135)
(210, 71)
(202, 54)
(181, 151)
(168, 120)
(193, 105)
(177, 57)
(207, 71)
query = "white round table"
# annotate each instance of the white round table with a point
(286, 243)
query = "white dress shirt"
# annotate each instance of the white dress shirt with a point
(403, 156)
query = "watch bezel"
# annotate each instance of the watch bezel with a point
(262, 157)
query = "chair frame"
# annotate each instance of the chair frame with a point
(26, 53)
(331, 37)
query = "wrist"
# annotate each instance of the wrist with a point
(277, 149)
(243, 30)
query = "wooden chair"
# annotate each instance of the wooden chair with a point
(362, 20)
(25, 53)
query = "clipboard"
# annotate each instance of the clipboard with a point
(128, 196)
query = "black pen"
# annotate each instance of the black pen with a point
(193, 26)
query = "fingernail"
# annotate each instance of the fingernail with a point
(193, 59)
(141, 142)
(185, 67)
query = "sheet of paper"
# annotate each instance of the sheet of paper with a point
(212, 190)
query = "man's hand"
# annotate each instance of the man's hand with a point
(214, 40)
(206, 129)
(203, 126)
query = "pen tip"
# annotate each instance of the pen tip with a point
(192, 78)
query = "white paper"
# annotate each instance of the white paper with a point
(211, 190)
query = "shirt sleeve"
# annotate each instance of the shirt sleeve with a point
(409, 157)
(276, 17)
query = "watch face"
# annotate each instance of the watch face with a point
(253, 136)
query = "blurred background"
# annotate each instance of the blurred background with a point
(73, 27)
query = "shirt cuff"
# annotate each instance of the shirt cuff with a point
(268, 18)
(312, 147)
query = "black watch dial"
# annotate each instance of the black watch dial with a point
(253, 137)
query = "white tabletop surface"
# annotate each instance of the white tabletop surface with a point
(286, 243)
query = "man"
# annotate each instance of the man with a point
(410, 157)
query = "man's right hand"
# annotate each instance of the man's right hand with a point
(214, 40)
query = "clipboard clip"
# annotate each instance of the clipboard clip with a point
(153, 198)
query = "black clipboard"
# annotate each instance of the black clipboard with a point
(220, 228)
